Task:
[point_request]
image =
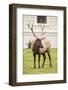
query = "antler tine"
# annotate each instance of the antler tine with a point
(43, 27)
(42, 30)
(43, 38)
(29, 26)
(32, 30)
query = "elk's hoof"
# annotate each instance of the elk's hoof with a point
(51, 65)
(42, 66)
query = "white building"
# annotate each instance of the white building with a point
(38, 22)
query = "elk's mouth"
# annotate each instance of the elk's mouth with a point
(41, 46)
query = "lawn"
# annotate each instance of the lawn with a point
(28, 63)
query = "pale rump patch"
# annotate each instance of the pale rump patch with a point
(46, 45)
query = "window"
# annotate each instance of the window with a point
(41, 19)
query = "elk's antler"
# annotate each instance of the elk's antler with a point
(42, 30)
(43, 38)
(32, 30)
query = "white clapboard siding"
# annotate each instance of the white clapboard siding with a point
(50, 28)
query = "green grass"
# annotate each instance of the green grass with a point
(28, 63)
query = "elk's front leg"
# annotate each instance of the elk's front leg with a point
(44, 57)
(34, 60)
(39, 61)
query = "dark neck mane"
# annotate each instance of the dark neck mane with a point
(35, 48)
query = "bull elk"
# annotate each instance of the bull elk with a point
(40, 46)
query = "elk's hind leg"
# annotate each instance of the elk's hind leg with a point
(49, 58)
(44, 57)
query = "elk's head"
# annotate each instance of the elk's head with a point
(38, 43)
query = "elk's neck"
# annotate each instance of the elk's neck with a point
(36, 50)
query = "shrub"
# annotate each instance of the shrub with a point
(29, 44)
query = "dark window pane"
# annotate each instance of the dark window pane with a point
(41, 19)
